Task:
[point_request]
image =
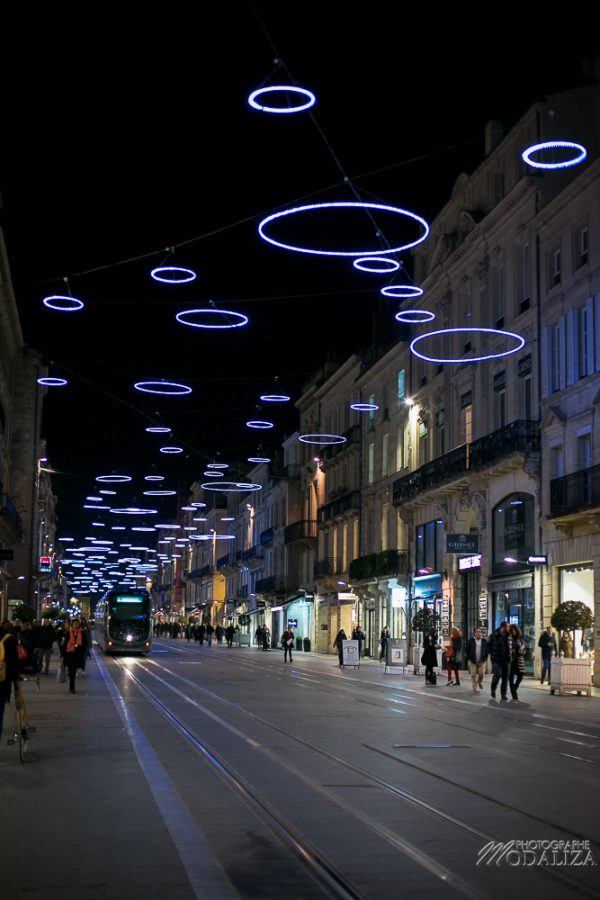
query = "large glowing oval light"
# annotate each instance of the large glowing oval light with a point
(113, 479)
(364, 407)
(520, 342)
(225, 487)
(308, 99)
(259, 423)
(169, 388)
(158, 429)
(578, 157)
(171, 449)
(186, 313)
(50, 381)
(154, 477)
(414, 316)
(275, 398)
(173, 274)
(60, 303)
(322, 439)
(259, 459)
(400, 291)
(343, 205)
(217, 465)
(133, 511)
(159, 493)
(376, 264)
(213, 474)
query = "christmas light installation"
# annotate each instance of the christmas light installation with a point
(188, 509)
(580, 153)
(275, 398)
(519, 343)
(168, 388)
(241, 318)
(364, 407)
(61, 303)
(306, 97)
(198, 504)
(133, 511)
(322, 439)
(259, 459)
(343, 205)
(259, 423)
(210, 473)
(171, 449)
(159, 493)
(173, 274)
(376, 264)
(217, 465)
(113, 479)
(158, 429)
(154, 477)
(414, 316)
(400, 291)
(106, 491)
(231, 487)
(49, 381)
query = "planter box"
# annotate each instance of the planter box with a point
(569, 675)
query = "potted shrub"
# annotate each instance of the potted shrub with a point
(570, 617)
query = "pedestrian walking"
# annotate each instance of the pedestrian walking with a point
(339, 644)
(477, 654)
(501, 653)
(230, 634)
(43, 650)
(383, 641)
(359, 635)
(454, 657)
(74, 651)
(209, 634)
(266, 638)
(287, 642)
(517, 665)
(547, 644)
(429, 657)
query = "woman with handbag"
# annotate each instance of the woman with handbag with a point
(454, 656)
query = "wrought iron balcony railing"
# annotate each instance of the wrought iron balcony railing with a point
(575, 492)
(345, 503)
(272, 584)
(330, 566)
(305, 530)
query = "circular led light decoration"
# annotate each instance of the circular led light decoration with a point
(169, 388)
(343, 205)
(105, 491)
(134, 511)
(217, 465)
(154, 477)
(113, 479)
(159, 493)
(171, 449)
(158, 429)
(414, 316)
(364, 407)
(197, 504)
(173, 274)
(52, 382)
(241, 318)
(401, 290)
(322, 439)
(519, 343)
(60, 303)
(275, 398)
(378, 264)
(259, 459)
(306, 97)
(213, 474)
(579, 154)
(225, 487)
(258, 423)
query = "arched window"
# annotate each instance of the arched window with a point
(514, 533)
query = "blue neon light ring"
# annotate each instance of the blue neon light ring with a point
(400, 291)
(213, 474)
(364, 407)
(322, 439)
(225, 487)
(383, 265)
(517, 337)
(64, 304)
(133, 511)
(187, 274)
(113, 479)
(260, 424)
(212, 311)
(217, 465)
(154, 477)
(159, 493)
(158, 429)
(50, 381)
(259, 459)
(146, 388)
(581, 154)
(287, 88)
(198, 504)
(414, 316)
(171, 449)
(343, 205)
(275, 398)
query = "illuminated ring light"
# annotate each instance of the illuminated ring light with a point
(213, 474)
(259, 423)
(159, 493)
(382, 265)
(211, 311)
(510, 334)
(259, 459)
(275, 398)
(49, 381)
(414, 316)
(154, 477)
(158, 429)
(581, 154)
(147, 387)
(287, 88)
(225, 487)
(198, 504)
(401, 290)
(217, 465)
(133, 511)
(113, 479)
(161, 274)
(171, 449)
(64, 304)
(322, 439)
(343, 205)
(364, 407)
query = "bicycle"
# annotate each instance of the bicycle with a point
(22, 729)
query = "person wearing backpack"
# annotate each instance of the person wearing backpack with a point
(9, 667)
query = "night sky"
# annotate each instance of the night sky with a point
(124, 138)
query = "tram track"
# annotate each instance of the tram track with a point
(477, 834)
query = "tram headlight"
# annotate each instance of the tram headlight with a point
(129, 638)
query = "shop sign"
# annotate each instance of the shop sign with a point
(462, 543)
(397, 652)
(469, 562)
(45, 563)
(350, 655)
(445, 614)
(292, 623)
(482, 611)
(537, 560)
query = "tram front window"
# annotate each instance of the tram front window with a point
(128, 619)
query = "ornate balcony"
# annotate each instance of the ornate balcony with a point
(387, 564)
(330, 566)
(273, 584)
(305, 530)
(347, 502)
(226, 565)
(575, 493)
(252, 559)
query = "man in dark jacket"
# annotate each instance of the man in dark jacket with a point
(9, 665)
(547, 644)
(43, 648)
(501, 652)
(477, 654)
